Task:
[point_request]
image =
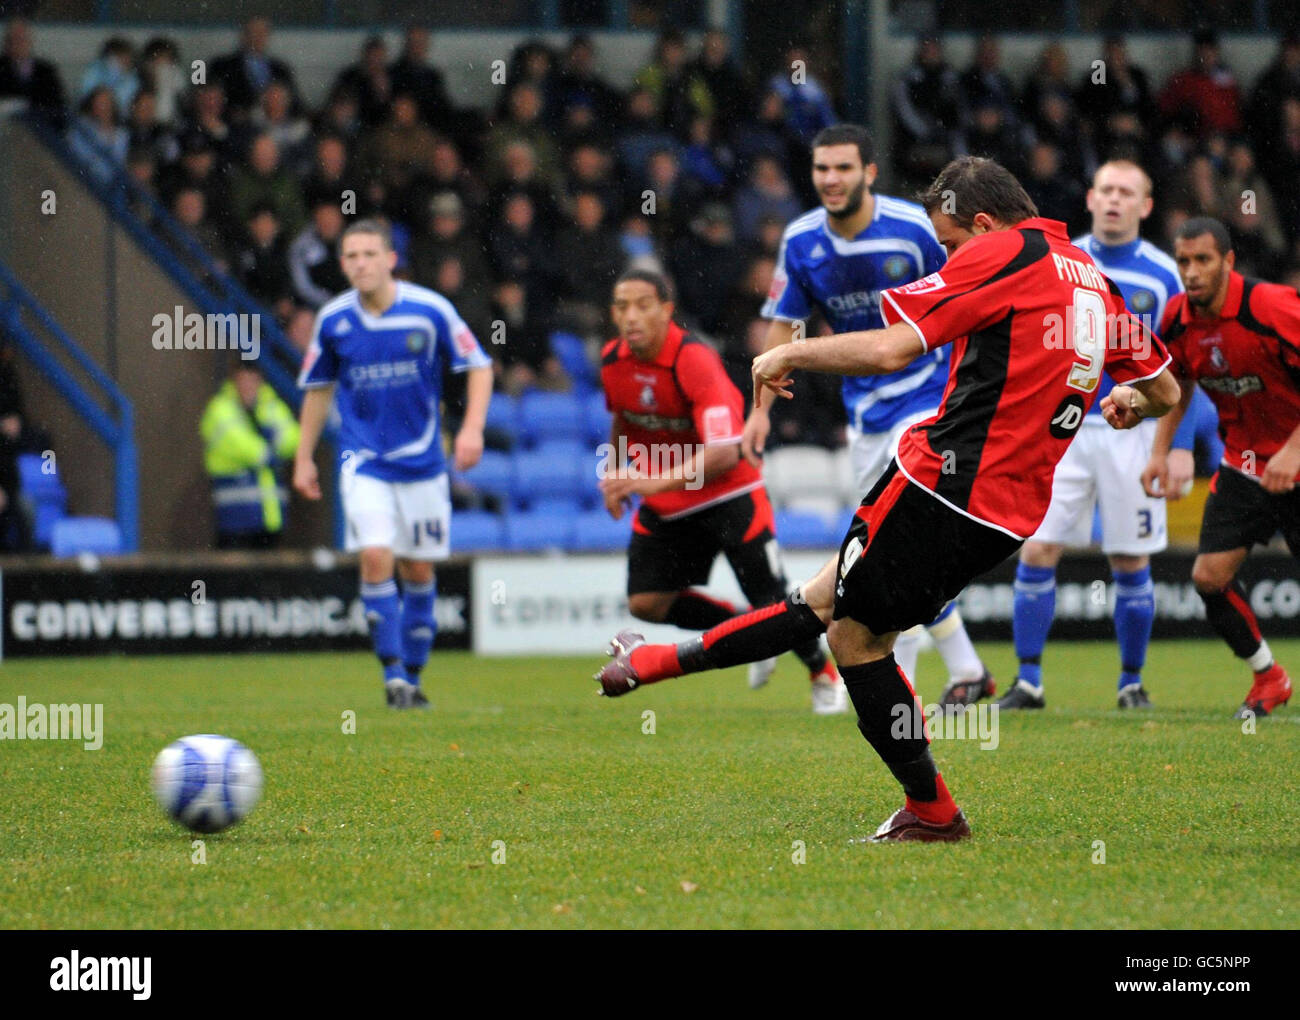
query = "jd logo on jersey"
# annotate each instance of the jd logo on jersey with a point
(1067, 418)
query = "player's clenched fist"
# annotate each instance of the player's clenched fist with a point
(1121, 407)
(1281, 470)
(468, 449)
(305, 480)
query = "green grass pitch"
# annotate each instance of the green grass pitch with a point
(524, 801)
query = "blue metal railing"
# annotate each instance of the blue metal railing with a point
(116, 432)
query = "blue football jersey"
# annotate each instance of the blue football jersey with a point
(388, 369)
(816, 268)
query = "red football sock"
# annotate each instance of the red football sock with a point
(653, 663)
(938, 811)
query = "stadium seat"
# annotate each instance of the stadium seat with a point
(74, 535)
(549, 416)
(797, 529)
(44, 494)
(532, 531)
(596, 531)
(597, 418)
(477, 531)
(540, 476)
(503, 419)
(494, 475)
(571, 352)
(803, 477)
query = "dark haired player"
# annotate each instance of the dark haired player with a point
(965, 487)
(675, 442)
(1240, 339)
(837, 259)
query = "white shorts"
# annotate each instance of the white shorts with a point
(1104, 466)
(411, 518)
(871, 452)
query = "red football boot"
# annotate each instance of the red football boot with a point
(1271, 689)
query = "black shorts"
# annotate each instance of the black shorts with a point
(1239, 513)
(673, 555)
(906, 556)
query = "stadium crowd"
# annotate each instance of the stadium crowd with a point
(523, 214)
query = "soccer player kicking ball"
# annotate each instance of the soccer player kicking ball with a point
(837, 259)
(966, 486)
(383, 346)
(675, 441)
(1103, 468)
(1240, 339)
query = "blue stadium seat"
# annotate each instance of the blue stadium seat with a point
(503, 416)
(597, 417)
(45, 495)
(596, 531)
(539, 476)
(73, 535)
(477, 531)
(493, 475)
(799, 530)
(571, 352)
(531, 531)
(549, 416)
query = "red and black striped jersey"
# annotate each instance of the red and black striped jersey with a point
(1033, 323)
(1247, 359)
(671, 406)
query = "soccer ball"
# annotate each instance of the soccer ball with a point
(206, 783)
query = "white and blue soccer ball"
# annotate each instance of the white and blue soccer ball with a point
(206, 783)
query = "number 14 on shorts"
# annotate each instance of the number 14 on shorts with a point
(430, 528)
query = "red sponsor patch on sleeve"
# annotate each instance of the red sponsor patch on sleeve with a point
(464, 342)
(718, 424)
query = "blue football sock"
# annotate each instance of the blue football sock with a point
(383, 613)
(418, 626)
(1135, 608)
(1034, 607)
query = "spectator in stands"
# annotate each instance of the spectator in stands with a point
(261, 261)
(114, 69)
(807, 103)
(522, 122)
(370, 81)
(664, 197)
(471, 296)
(96, 137)
(330, 174)
(523, 360)
(274, 116)
(588, 260)
(985, 84)
(1279, 82)
(190, 209)
(341, 115)
(927, 106)
(728, 85)
(705, 161)
(207, 116)
(146, 131)
(520, 174)
(591, 169)
(1280, 165)
(142, 167)
(451, 174)
(1050, 77)
(1205, 94)
(314, 256)
(533, 64)
(249, 434)
(989, 134)
(641, 134)
(765, 134)
(1055, 121)
(411, 73)
(638, 241)
(15, 528)
(1055, 190)
(1117, 87)
(768, 193)
(245, 73)
(24, 76)
(744, 304)
(161, 73)
(197, 169)
(1248, 208)
(400, 156)
(521, 252)
(300, 328)
(578, 82)
(444, 236)
(263, 180)
(679, 91)
(705, 265)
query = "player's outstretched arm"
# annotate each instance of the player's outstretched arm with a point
(316, 403)
(468, 449)
(867, 352)
(759, 423)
